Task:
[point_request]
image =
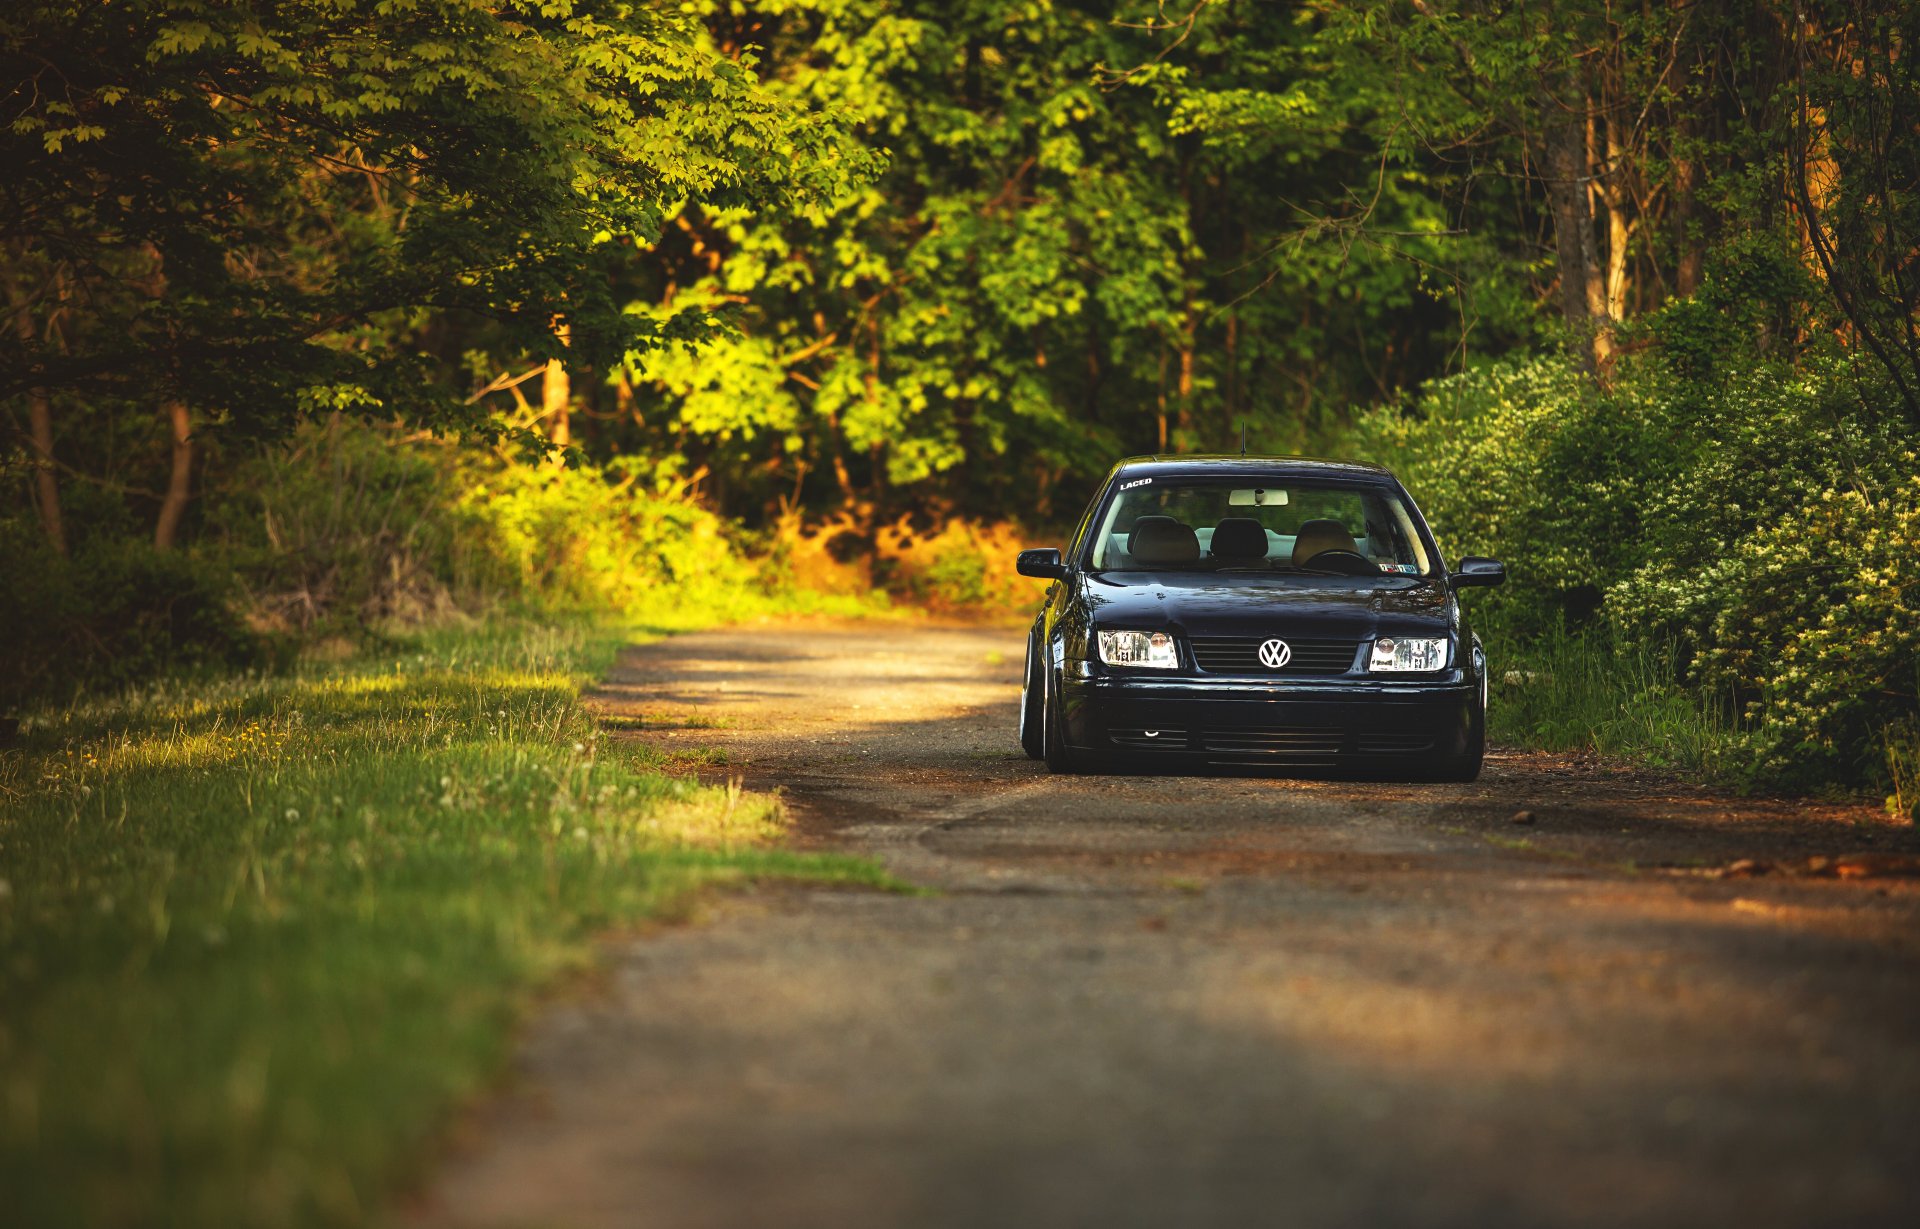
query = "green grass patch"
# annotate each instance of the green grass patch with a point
(259, 937)
(1581, 693)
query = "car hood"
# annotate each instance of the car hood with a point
(1252, 604)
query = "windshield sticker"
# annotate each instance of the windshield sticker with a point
(1404, 569)
(1128, 486)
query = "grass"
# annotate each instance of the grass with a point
(1903, 770)
(259, 937)
(1580, 693)
(1577, 692)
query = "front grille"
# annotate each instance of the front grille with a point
(1392, 744)
(1241, 655)
(1279, 741)
(1154, 738)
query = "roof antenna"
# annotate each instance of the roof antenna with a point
(1243, 437)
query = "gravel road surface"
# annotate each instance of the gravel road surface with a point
(1200, 1000)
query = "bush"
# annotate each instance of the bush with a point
(355, 527)
(352, 529)
(344, 529)
(117, 612)
(1818, 621)
(962, 566)
(623, 538)
(1755, 524)
(1527, 461)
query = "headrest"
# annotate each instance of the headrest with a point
(1317, 536)
(1239, 537)
(1157, 540)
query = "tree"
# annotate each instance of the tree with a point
(1064, 261)
(254, 206)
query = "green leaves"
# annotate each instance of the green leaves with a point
(254, 196)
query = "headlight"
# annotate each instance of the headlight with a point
(1143, 650)
(1397, 654)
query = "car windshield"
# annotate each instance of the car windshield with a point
(1249, 524)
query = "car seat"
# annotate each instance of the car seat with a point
(1159, 541)
(1319, 537)
(1239, 539)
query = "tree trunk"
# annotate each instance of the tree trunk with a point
(849, 498)
(166, 531)
(1619, 222)
(1232, 362)
(556, 396)
(1563, 164)
(1184, 389)
(1689, 251)
(1160, 401)
(46, 483)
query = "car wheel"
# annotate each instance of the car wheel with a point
(1033, 706)
(1464, 765)
(1060, 757)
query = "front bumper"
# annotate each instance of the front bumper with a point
(1348, 721)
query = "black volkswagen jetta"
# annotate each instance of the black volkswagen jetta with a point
(1276, 611)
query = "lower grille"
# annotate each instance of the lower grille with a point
(1241, 655)
(1311, 742)
(1155, 738)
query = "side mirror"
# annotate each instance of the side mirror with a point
(1477, 570)
(1044, 563)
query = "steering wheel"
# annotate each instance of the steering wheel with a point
(1351, 563)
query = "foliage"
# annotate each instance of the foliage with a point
(1061, 263)
(1903, 770)
(1819, 624)
(117, 612)
(959, 567)
(1580, 691)
(1855, 169)
(345, 530)
(1529, 461)
(1758, 532)
(242, 205)
(256, 935)
(360, 526)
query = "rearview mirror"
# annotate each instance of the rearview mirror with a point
(1044, 563)
(1478, 570)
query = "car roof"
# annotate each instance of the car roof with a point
(1227, 465)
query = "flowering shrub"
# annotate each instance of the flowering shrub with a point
(1529, 462)
(1818, 621)
(1761, 530)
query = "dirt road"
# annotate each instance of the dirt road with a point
(1187, 1000)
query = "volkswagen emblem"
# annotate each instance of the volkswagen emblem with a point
(1275, 654)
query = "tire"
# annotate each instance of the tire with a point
(1033, 706)
(1060, 758)
(1464, 765)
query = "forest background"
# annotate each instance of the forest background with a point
(328, 318)
(373, 369)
